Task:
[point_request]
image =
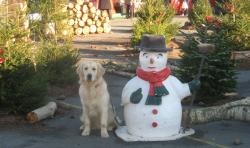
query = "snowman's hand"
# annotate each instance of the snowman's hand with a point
(194, 85)
(136, 96)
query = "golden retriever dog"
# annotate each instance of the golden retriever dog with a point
(97, 111)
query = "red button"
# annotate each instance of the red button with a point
(154, 124)
(155, 111)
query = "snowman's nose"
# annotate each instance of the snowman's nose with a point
(151, 61)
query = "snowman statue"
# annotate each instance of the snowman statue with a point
(152, 99)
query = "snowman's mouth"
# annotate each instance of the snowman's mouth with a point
(151, 67)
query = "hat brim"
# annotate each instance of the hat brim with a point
(153, 49)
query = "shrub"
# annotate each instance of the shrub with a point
(23, 87)
(154, 17)
(28, 67)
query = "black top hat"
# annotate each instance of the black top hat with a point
(153, 43)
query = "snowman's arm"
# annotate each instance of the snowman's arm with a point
(181, 89)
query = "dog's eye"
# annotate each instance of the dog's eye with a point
(86, 68)
(94, 69)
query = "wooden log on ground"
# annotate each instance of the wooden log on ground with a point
(42, 112)
(99, 30)
(92, 29)
(85, 30)
(237, 110)
(78, 31)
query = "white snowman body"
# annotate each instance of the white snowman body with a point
(154, 121)
(150, 122)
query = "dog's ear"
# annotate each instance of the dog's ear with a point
(100, 69)
(79, 71)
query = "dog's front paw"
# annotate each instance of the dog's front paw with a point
(86, 132)
(104, 134)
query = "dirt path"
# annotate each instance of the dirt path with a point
(109, 47)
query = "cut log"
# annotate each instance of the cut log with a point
(78, 7)
(79, 14)
(81, 23)
(71, 22)
(71, 5)
(106, 28)
(92, 29)
(80, 2)
(85, 9)
(92, 10)
(78, 31)
(89, 22)
(85, 17)
(99, 30)
(98, 23)
(98, 12)
(42, 112)
(90, 4)
(85, 30)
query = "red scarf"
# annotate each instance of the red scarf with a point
(154, 78)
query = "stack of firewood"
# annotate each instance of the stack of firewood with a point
(84, 18)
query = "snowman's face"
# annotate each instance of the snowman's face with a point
(152, 61)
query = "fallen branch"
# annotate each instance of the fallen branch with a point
(237, 110)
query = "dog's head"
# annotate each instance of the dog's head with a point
(89, 71)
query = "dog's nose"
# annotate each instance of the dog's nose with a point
(89, 77)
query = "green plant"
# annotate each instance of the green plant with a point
(27, 67)
(57, 57)
(154, 17)
(23, 85)
(200, 10)
(228, 32)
